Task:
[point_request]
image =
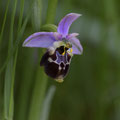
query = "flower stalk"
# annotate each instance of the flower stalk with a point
(40, 85)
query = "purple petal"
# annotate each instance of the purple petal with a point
(69, 36)
(40, 39)
(65, 23)
(76, 46)
(57, 36)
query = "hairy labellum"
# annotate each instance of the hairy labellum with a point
(57, 64)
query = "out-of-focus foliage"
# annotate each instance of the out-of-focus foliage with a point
(91, 91)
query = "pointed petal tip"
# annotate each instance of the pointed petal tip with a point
(76, 14)
(69, 36)
(23, 45)
(80, 52)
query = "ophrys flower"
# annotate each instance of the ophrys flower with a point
(60, 45)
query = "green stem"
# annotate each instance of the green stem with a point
(38, 95)
(41, 79)
(51, 11)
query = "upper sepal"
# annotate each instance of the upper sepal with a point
(65, 23)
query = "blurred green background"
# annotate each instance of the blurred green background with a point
(91, 91)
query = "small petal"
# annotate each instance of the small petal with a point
(69, 36)
(76, 46)
(65, 23)
(57, 36)
(40, 39)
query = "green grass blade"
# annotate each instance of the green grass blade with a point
(19, 37)
(36, 16)
(22, 110)
(19, 27)
(11, 107)
(9, 74)
(24, 91)
(7, 89)
(47, 103)
(4, 21)
(51, 11)
(1, 76)
(38, 95)
(21, 15)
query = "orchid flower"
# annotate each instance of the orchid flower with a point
(60, 45)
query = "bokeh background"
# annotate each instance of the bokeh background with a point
(91, 91)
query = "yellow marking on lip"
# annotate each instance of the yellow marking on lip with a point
(71, 50)
(63, 52)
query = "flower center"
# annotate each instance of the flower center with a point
(63, 49)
